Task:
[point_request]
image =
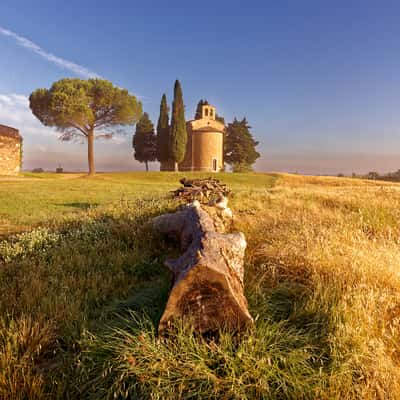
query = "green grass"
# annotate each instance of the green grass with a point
(45, 197)
(83, 287)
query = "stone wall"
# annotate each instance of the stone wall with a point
(10, 151)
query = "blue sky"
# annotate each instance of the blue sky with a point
(318, 81)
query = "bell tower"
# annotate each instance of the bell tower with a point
(208, 112)
(205, 146)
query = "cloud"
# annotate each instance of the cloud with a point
(43, 149)
(15, 112)
(60, 62)
(13, 99)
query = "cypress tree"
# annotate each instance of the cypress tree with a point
(144, 141)
(178, 133)
(240, 146)
(163, 132)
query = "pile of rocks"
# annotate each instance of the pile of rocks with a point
(204, 190)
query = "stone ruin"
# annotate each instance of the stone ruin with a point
(10, 151)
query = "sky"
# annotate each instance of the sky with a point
(319, 82)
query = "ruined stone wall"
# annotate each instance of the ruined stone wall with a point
(10, 151)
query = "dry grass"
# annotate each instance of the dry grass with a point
(337, 241)
(322, 279)
(24, 343)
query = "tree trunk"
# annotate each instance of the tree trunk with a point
(208, 277)
(147, 166)
(90, 140)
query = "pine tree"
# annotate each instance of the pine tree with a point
(199, 109)
(85, 109)
(144, 141)
(239, 146)
(163, 132)
(178, 134)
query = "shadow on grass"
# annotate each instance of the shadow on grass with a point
(147, 301)
(292, 305)
(78, 277)
(80, 205)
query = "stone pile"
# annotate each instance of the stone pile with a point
(203, 190)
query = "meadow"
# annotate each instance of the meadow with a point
(83, 286)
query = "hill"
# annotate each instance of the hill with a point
(82, 287)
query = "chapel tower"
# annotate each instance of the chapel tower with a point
(205, 147)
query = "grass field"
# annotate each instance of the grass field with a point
(82, 288)
(37, 199)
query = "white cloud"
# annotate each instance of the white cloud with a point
(60, 62)
(15, 112)
(43, 149)
(120, 139)
(13, 99)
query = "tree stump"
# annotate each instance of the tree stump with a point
(207, 290)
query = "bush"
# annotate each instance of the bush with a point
(242, 168)
(36, 242)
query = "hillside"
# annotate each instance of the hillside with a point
(82, 288)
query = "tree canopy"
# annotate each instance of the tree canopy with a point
(80, 108)
(144, 141)
(239, 146)
(163, 131)
(220, 118)
(178, 134)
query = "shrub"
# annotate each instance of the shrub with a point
(36, 242)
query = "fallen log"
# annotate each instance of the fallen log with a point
(207, 289)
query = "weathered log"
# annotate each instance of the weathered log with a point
(207, 290)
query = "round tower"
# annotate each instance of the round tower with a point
(205, 148)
